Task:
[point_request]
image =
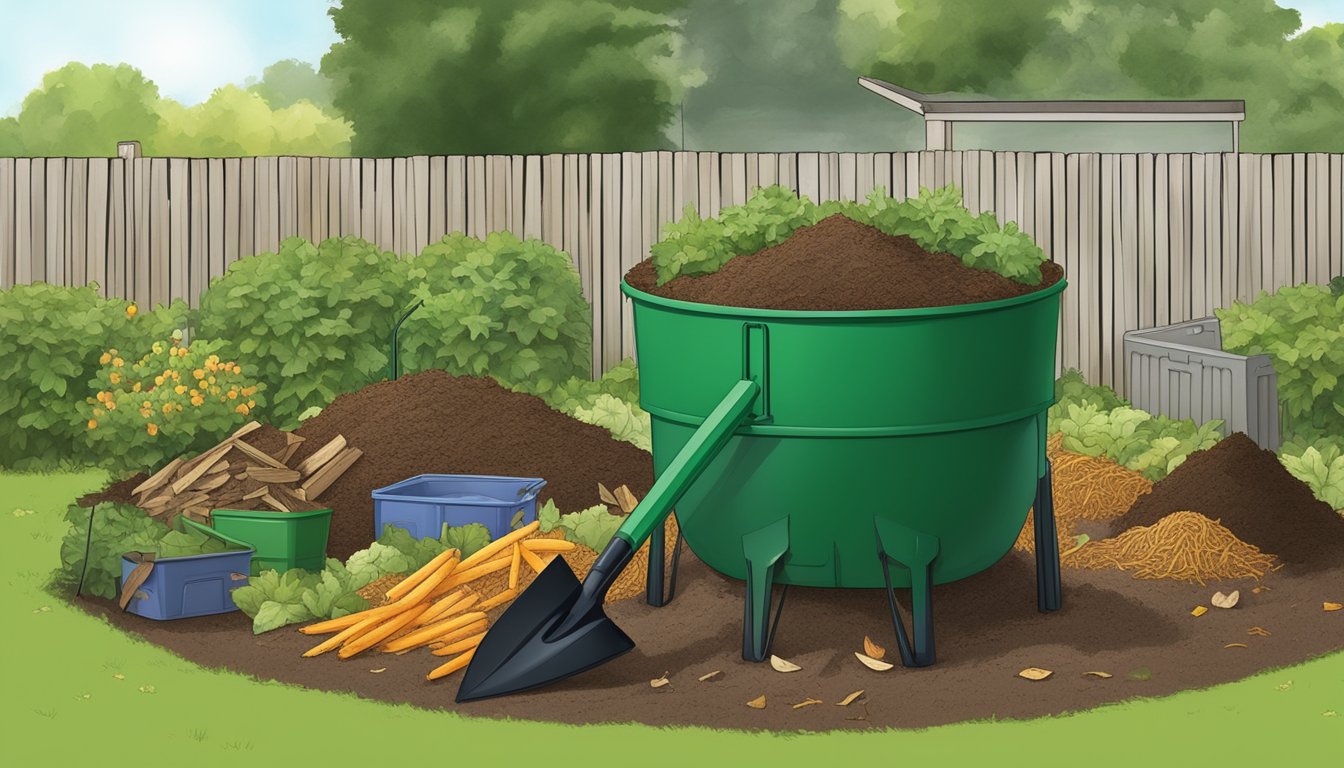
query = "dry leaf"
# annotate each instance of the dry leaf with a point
(845, 702)
(710, 676)
(1034, 673)
(606, 496)
(876, 665)
(757, 703)
(1220, 600)
(379, 670)
(119, 676)
(1102, 675)
(660, 682)
(807, 703)
(1331, 606)
(783, 665)
(1199, 610)
(1258, 590)
(873, 649)
(1259, 632)
(1236, 645)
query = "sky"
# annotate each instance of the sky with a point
(191, 47)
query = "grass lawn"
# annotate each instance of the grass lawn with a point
(77, 691)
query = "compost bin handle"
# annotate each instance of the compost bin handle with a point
(689, 462)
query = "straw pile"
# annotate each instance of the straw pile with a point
(1185, 546)
(1085, 488)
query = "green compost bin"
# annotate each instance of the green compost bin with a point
(931, 419)
(283, 540)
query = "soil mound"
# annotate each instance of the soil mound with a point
(841, 264)
(1185, 546)
(436, 422)
(1250, 492)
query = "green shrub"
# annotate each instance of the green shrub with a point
(1302, 329)
(505, 308)
(175, 399)
(117, 529)
(935, 219)
(621, 382)
(1319, 464)
(624, 420)
(51, 338)
(314, 320)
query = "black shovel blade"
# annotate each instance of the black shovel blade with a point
(554, 630)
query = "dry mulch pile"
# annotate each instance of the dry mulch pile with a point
(1253, 496)
(1183, 545)
(1087, 489)
(841, 264)
(434, 422)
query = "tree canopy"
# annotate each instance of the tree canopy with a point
(506, 76)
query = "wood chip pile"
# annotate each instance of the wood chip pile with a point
(237, 475)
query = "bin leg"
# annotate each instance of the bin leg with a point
(654, 592)
(914, 551)
(763, 549)
(1048, 592)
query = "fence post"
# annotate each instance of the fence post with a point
(128, 150)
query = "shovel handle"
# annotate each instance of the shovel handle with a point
(708, 439)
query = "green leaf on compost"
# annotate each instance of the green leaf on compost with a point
(548, 516)
(592, 527)
(369, 565)
(272, 615)
(468, 538)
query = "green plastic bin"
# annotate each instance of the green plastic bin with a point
(283, 540)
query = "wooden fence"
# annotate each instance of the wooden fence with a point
(1145, 239)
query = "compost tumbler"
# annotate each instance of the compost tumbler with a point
(883, 448)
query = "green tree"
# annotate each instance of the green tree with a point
(82, 110)
(235, 122)
(483, 76)
(288, 81)
(1115, 49)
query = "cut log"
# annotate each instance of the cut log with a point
(329, 473)
(323, 455)
(257, 494)
(273, 475)
(257, 455)
(286, 495)
(202, 464)
(158, 501)
(219, 466)
(211, 482)
(158, 478)
(275, 503)
(292, 443)
(248, 428)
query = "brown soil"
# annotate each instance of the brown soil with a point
(439, 423)
(841, 264)
(988, 629)
(1252, 495)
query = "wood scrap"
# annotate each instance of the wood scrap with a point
(322, 479)
(253, 453)
(158, 478)
(321, 456)
(257, 494)
(272, 475)
(292, 443)
(275, 503)
(202, 465)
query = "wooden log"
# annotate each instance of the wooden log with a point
(257, 455)
(246, 429)
(158, 501)
(274, 503)
(211, 482)
(202, 464)
(323, 455)
(158, 478)
(292, 443)
(329, 473)
(219, 466)
(273, 475)
(257, 494)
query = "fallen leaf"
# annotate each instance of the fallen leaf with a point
(807, 703)
(1329, 713)
(845, 702)
(1236, 645)
(43, 609)
(1259, 632)
(1102, 675)
(22, 512)
(119, 676)
(379, 670)
(705, 678)
(1332, 606)
(1220, 600)
(607, 496)
(1258, 590)
(757, 703)
(877, 665)
(1284, 686)
(873, 649)
(659, 682)
(783, 665)
(1034, 673)
(1142, 673)
(147, 689)
(1199, 610)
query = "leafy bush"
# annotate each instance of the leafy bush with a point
(620, 382)
(175, 399)
(508, 308)
(625, 421)
(51, 338)
(1072, 389)
(935, 219)
(116, 529)
(592, 527)
(1302, 329)
(314, 320)
(1319, 464)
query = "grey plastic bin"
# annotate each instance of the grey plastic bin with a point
(1181, 371)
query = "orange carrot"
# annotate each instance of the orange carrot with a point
(452, 666)
(382, 632)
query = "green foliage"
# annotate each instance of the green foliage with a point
(621, 382)
(175, 399)
(1319, 464)
(592, 527)
(1072, 388)
(289, 81)
(505, 308)
(369, 565)
(533, 76)
(51, 339)
(274, 600)
(1151, 445)
(624, 420)
(1337, 286)
(935, 219)
(117, 529)
(192, 541)
(84, 111)
(312, 321)
(234, 122)
(465, 538)
(1302, 329)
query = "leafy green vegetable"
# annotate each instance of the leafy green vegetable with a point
(117, 529)
(1319, 464)
(274, 600)
(369, 565)
(592, 527)
(621, 382)
(274, 615)
(1153, 446)
(417, 551)
(191, 542)
(624, 420)
(335, 595)
(548, 516)
(467, 538)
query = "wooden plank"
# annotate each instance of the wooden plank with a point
(117, 225)
(23, 220)
(55, 221)
(1058, 238)
(302, 169)
(1231, 221)
(478, 201)
(321, 456)
(177, 225)
(214, 230)
(552, 189)
(400, 239)
(1162, 249)
(532, 184)
(263, 202)
(1199, 305)
(1127, 262)
(247, 207)
(384, 200)
(1109, 255)
(319, 221)
(35, 264)
(572, 203)
(1072, 298)
(1179, 232)
(158, 478)
(1213, 231)
(288, 186)
(709, 173)
(76, 224)
(1336, 214)
(809, 184)
(163, 279)
(198, 269)
(882, 172)
(1088, 253)
(733, 178)
(847, 176)
(272, 474)
(611, 261)
(631, 217)
(95, 222)
(438, 205)
(1146, 244)
(419, 167)
(1026, 193)
(786, 175)
(591, 191)
(7, 226)
(323, 478)
(229, 197)
(1317, 209)
(1296, 217)
(1272, 174)
(1248, 234)
(456, 197)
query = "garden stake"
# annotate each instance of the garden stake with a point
(394, 364)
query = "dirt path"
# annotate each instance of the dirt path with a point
(988, 629)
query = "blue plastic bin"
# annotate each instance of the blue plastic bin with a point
(197, 585)
(422, 504)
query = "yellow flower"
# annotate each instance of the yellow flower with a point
(198, 373)
(210, 380)
(180, 389)
(197, 400)
(194, 393)
(251, 404)
(157, 347)
(158, 381)
(233, 395)
(167, 408)
(131, 310)
(152, 429)
(115, 378)
(105, 359)
(144, 413)
(111, 405)
(145, 404)
(93, 423)
(135, 387)
(117, 362)
(242, 408)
